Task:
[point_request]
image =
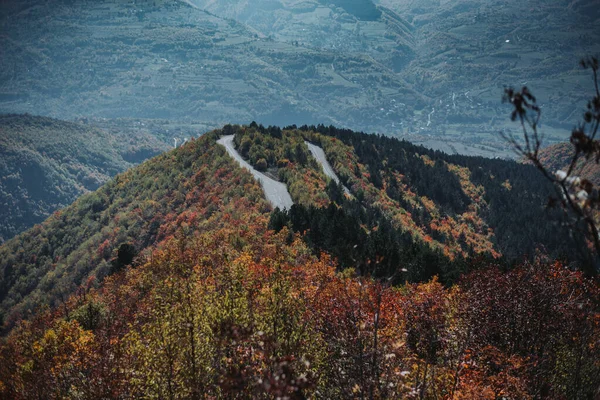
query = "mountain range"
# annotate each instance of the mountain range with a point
(429, 71)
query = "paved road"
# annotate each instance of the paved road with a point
(319, 154)
(276, 192)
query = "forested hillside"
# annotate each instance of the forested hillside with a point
(176, 279)
(153, 248)
(174, 191)
(227, 313)
(466, 51)
(408, 206)
(455, 205)
(45, 164)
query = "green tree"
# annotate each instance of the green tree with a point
(261, 165)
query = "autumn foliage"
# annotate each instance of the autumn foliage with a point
(227, 314)
(179, 289)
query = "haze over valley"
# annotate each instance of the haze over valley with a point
(432, 72)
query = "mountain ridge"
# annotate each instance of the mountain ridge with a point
(430, 225)
(178, 279)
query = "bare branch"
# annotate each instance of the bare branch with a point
(579, 196)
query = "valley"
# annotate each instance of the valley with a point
(283, 62)
(46, 164)
(191, 66)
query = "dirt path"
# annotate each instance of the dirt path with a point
(275, 192)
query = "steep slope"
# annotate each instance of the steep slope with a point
(275, 192)
(177, 191)
(455, 204)
(45, 164)
(410, 208)
(167, 59)
(219, 304)
(431, 71)
(559, 157)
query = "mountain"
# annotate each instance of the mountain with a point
(409, 205)
(169, 60)
(177, 278)
(358, 26)
(467, 51)
(432, 72)
(300, 262)
(45, 164)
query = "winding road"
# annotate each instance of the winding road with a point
(319, 155)
(276, 192)
(429, 116)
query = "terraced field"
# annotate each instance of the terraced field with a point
(431, 72)
(172, 61)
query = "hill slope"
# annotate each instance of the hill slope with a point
(559, 157)
(142, 206)
(226, 297)
(45, 164)
(409, 207)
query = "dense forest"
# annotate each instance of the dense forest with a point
(151, 247)
(509, 197)
(142, 207)
(177, 279)
(458, 205)
(235, 314)
(45, 164)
